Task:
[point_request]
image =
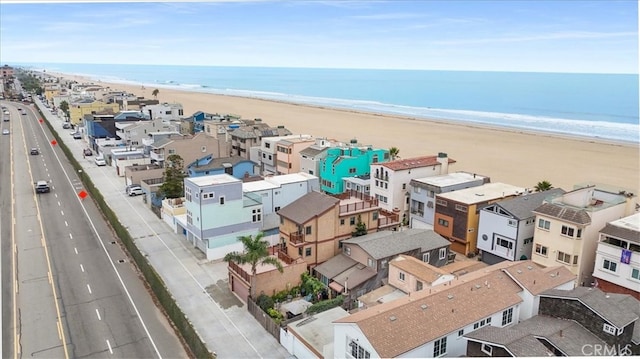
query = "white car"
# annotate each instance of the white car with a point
(100, 161)
(135, 191)
(5, 131)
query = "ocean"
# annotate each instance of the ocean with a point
(603, 106)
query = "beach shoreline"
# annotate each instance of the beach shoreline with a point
(478, 148)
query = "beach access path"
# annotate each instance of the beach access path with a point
(200, 287)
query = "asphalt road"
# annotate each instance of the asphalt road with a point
(75, 292)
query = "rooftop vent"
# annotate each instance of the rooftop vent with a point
(424, 306)
(450, 296)
(478, 286)
(519, 271)
(393, 318)
(529, 267)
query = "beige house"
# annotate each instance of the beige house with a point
(288, 153)
(410, 274)
(135, 174)
(77, 111)
(568, 226)
(189, 147)
(313, 226)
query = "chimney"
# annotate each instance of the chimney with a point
(443, 160)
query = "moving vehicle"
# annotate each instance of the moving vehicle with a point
(5, 131)
(34, 151)
(87, 152)
(100, 161)
(42, 187)
(66, 125)
(76, 135)
(135, 191)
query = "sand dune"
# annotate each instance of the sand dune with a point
(515, 157)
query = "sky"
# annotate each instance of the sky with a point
(530, 36)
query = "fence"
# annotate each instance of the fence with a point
(264, 319)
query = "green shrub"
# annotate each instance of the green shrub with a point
(276, 315)
(325, 305)
(265, 302)
(281, 296)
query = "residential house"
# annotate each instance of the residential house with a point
(288, 153)
(433, 323)
(390, 180)
(7, 72)
(505, 228)
(312, 337)
(312, 156)
(347, 161)
(188, 147)
(568, 226)
(368, 267)
(313, 226)
(578, 322)
(424, 190)
(358, 186)
(410, 274)
(134, 174)
(218, 212)
(79, 110)
(269, 152)
(236, 166)
(103, 125)
(166, 112)
(135, 103)
(456, 216)
(132, 133)
(617, 266)
(250, 133)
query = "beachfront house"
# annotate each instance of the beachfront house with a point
(506, 228)
(270, 152)
(390, 180)
(410, 274)
(568, 226)
(617, 267)
(218, 212)
(456, 216)
(236, 166)
(358, 186)
(188, 147)
(288, 153)
(311, 157)
(347, 161)
(79, 110)
(249, 134)
(423, 191)
(313, 226)
(442, 315)
(167, 112)
(132, 133)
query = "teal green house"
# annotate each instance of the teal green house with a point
(347, 161)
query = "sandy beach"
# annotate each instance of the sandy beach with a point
(516, 157)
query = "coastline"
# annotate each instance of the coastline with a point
(516, 156)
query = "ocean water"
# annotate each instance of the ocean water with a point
(604, 106)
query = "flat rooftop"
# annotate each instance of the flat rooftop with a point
(486, 192)
(212, 180)
(631, 223)
(450, 179)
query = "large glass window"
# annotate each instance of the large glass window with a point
(609, 265)
(440, 347)
(544, 224)
(507, 316)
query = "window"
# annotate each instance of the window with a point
(443, 253)
(307, 252)
(609, 329)
(221, 200)
(357, 351)
(300, 251)
(461, 208)
(579, 233)
(404, 186)
(401, 276)
(544, 224)
(342, 221)
(567, 231)
(425, 257)
(441, 202)
(277, 208)
(486, 348)
(352, 221)
(416, 189)
(374, 216)
(564, 257)
(307, 230)
(383, 263)
(440, 347)
(352, 170)
(370, 262)
(460, 333)
(635, 273)
(507, 316)
(504, 243)
(609, 265)
(347, 251)
(575, 260)
(257, 215)
(430, 194)
(443, 222)
(418, 285)
(541, 250)
(513, 223)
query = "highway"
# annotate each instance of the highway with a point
(69, 290)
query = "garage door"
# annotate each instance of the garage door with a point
(238, 287)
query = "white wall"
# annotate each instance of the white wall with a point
(294, 346)
(491, 224)
(342, 335)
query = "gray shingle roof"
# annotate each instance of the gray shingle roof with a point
(335, 265)
(312, 151)
(522, 207)
(218, 162)
(621, 232)
(308, 206)
(385, 244)
(613, 307)
(564, 213)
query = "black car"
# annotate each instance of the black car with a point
(66, 125)
(34, 151)
(87, 152)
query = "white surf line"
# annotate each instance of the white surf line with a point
(104, 248)
(204, 290)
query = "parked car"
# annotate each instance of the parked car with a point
(100, 161)
(5, 131)
(76, 135)
(34, 151)
(42, 187)
(66, 125)
(87, 152)
(135, 191)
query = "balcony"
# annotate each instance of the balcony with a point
(156, 156)
(388, 219)
(147, 141)
(296, 238)
(240, 272)
(284, 257)
(352, 204)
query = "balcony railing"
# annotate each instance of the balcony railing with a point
(358, 206)
(296, 238)
(388, 219)
(284, 257)
(240, 272)
(156, 156)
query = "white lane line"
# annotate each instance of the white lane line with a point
(58, 203)
(109, 345)
(75, 249)
(66, 224)
(89, 288)
(62, 213)
(55, 194)
(70, 236)
(98, 314)
(81, 267)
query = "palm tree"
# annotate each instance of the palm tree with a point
(155, 93)
(393, 152)
(543, 186)
(256, 251)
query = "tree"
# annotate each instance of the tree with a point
(361, 229)
(155, 93)
(543, 186)
(64, 106)
(256, 251)
(173, 178)
(393, 152)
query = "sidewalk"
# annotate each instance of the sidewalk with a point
(199, 287)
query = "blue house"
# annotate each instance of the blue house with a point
(236, 166)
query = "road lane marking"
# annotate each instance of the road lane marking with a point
(81, 267)
(109, 345)
(89, 288)
(70, 236)
(66, 224)
(98, 314)
(62, 213)
(49, 277)
(58, 203)
(75, 249)
(55, 194)
(59, 325)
